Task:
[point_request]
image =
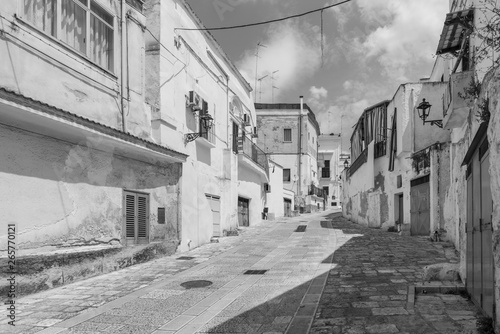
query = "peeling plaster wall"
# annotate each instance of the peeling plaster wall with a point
(493, 88)
(60, 194)
(70, 81)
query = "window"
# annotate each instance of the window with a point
(83, 25)
(286, 175)
(325, 191)
(136, 206)
(325, 171)
(287, 135)
(235, 137)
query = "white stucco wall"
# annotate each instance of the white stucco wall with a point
(61, 194)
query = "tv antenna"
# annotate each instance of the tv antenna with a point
(272, 85)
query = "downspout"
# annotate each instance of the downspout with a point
(300, 147)
(123, 63)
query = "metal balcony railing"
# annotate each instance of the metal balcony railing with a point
(253, 152)
(313, 190)
(208, 134)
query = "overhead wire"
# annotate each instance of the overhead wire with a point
(269, 21)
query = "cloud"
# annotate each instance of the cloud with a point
(318, 93)
(291, 49)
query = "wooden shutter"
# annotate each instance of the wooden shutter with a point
(130, 215)
(142, 216)
(136, 217)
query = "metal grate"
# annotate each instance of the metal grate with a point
(301, 228)
(185, 258)
(255, 272)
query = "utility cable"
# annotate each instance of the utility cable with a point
(267, 22)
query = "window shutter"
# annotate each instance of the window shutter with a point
(129, 215)
(142, 216)
(136, 208)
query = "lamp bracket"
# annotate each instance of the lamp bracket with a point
(189, 137)
(437, 122)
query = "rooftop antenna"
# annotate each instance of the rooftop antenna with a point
(260, 86)
(272, 85)
(257, 65)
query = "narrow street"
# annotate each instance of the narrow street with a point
(335, 277)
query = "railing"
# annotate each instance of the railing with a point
(363, 157)
(208, 134)
(253, 152)
(313, 190)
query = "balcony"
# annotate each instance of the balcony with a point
(313, 190)
(249, 150)
(455, 106)
(207, 136)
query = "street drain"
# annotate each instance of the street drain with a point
(196, 284)
(301, 228)
(255, 272)
(185, 258)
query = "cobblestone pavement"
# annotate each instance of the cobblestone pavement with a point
(336, 277)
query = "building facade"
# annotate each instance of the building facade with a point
(126, 128)
(289, 133)
(81, 166)
(470, 114)
(330, 169)
(398, 163)
(203, 107)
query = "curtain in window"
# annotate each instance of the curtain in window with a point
(101, 42)
(42, 14)
(73, 25)
(356, 142)
(380, 124)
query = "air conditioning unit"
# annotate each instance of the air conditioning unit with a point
(193, 101)
(267, 187)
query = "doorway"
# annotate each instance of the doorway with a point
(479, 256)
(420, 206)
(287, 207)
(214, 202)
(243, 212)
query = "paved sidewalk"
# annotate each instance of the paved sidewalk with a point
(336, 277)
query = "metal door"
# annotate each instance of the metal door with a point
(215, 206)
(243, 212)
(420, 206)
(288, 207)
(480, 272)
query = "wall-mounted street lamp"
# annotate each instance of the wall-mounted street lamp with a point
(346, 164)
(424, 109)
(206, 122)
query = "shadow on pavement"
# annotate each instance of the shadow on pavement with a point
(366, 291)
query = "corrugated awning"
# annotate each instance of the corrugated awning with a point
(455, 26)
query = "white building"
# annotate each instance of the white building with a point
(80, 165)
(203, 107)
(330, 168)
(288, 133)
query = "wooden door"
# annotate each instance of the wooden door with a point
(136, 217)
(243, 212)
(287, 207)
(215, 207)
(479, 256)
(420, 206)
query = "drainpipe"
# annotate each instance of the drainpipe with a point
(300, 146)
(123, 63)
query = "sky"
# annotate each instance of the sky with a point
(368, 48)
